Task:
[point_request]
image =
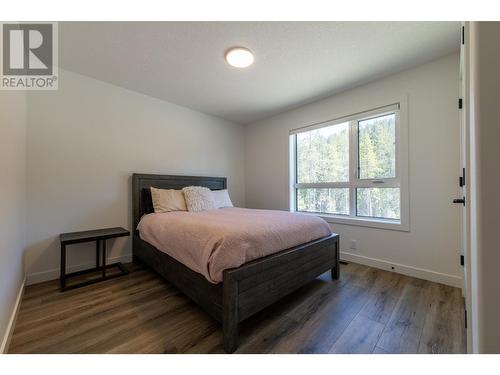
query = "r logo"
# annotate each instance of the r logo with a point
(27, 49)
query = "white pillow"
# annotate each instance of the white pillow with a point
(222, 199)
(198, 198)
(167, 200)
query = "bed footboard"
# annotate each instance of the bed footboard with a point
(258, 284)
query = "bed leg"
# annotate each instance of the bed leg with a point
(230, 314)
(336, 269)
(336, 272)
(135, 259)
(230, 334)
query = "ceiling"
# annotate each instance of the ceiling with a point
(295, 62)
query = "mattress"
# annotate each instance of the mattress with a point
(209, 242)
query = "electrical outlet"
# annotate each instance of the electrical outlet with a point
(354, 244)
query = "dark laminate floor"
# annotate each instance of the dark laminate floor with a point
(367, 311)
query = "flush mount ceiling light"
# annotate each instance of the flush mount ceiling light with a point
(239, 57)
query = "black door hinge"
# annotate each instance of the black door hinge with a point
(465, 319)
(460, 104)
(462, 260)
(463, 34)
(461, 179)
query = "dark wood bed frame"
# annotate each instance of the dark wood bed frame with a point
(245, 290)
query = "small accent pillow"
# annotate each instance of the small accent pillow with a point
(222, 199)
(167, 200)
(198, 198)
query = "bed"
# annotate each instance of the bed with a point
(244, 290)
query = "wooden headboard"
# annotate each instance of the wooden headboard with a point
(141, 194)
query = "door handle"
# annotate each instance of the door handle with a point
(460, 200)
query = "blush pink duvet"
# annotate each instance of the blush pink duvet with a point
(209, 242)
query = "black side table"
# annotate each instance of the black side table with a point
(100, 236)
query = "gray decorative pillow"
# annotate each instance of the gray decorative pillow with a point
(198, 198)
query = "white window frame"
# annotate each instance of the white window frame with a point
(399, 108)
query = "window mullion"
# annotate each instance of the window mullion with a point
(293, 172)
(353, 166)
(321, 185)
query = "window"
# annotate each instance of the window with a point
(349, 170)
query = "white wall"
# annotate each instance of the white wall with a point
(84, 142)
(12, 202)
(431, 248)
(485, 174)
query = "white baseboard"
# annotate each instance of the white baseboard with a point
(442, 278)
(420, 273)
(12, 321)
(39, 277)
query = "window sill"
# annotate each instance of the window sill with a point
(387, 224)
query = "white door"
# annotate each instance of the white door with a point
(464, 186)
